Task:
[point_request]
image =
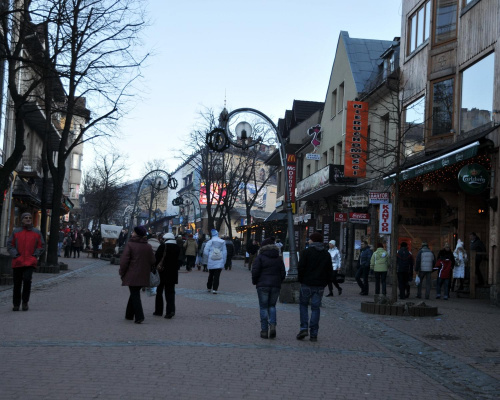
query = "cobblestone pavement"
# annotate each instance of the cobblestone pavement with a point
(74, 343)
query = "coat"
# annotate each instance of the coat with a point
(204, 257)
(335, 256)
(170, 264)
(315, 266)
(425, 260)
(191, 247)
(268, 269)
(380, 260)
(136, 262)
(25, 245)
(365, 257)
(209, 248)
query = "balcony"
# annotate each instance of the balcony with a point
(30, 167)
(326, 182)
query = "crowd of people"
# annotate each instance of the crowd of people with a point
(72, 241)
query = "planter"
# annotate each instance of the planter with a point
(398, 309)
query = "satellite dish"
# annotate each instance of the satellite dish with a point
(243, 130)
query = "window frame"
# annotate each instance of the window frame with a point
(431, 134)
(334, 103)
(410, 24)
(434, 26)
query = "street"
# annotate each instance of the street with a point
(74, 343)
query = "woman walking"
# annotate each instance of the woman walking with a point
(335, 256)
(136, 263)
(268, 271)
(168, 267)
(459, 271)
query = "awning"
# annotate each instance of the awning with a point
(276, 216)
(434, 164)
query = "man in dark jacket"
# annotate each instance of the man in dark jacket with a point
(230, 253)
(478, 246)
(364, 268)
(25, 245)
(314, 273)
(267, 274)
(404, 261)
(167, 257)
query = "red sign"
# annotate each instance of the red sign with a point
(340, 217)
(356, 139)
(359, 218)
(291, 172)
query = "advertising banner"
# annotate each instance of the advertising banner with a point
(359, 218)
(385, 219)
(291, 167)
(340, 217)
(379, 197)
(356, 139)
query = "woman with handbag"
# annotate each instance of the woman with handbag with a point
(336, 261)
(167, 257)
(135, 268)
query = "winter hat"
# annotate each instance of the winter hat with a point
(332, 242)
(140, 230)
(404, 244)
(424, 244)
(316, 237)
(460, 245)
(26, 214)
(169, 236)
(213, 232)
(267, 242)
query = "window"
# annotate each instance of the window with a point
(389, 65)
(419, 26)
(384, 129)
(442, 107)
(445, 26)
(316, 165)
(338, 154)
(340, 103)
(74, 191)
(332, 154)
(334, 103)
(308, 169)
(414, 127)
(325, 159)
(477, 94)
(75, 161)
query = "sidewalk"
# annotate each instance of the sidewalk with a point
(75, 343)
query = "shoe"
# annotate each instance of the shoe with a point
(139, 321)
(129, 318)
(313, 338)
(302, 334)
(214, 291)
(25, 307)
(272, 331)
(438, 296)
(15, 308)
(445, 298)
(209, 290)
(340, 291)
(157, 314)
(264, 335)
(329, 294)
(169, 316)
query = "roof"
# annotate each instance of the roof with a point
(301, 110)
(364, 57)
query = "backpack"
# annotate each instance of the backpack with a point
(216, 253)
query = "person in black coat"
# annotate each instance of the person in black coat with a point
(167, 257)
(404, 261)
(230, 253)
(268, 271)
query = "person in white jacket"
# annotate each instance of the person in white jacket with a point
(336, 264)
(216, 252)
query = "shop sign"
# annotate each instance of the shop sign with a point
(385, 219)
(313, 156)
(473, 178)
(378, 197)
(291, 168)
(359, 201)
(356, 133)
(359, 218)
(340, 217)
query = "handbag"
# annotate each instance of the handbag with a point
(154, 279)
(340, 278)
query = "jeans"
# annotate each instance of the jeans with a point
(441, 282)
(169, 289)
(314, 294)
(427, 276)
(22, 279)
(363, 272)
(213, 278)
(404, 287)
(59, 248)
(268, 296)
(134, 305)
(380, 277)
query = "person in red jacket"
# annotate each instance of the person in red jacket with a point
(25, 245)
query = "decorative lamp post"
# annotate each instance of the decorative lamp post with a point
(180, 201)
(221, 139)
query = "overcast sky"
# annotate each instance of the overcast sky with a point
(261, 54)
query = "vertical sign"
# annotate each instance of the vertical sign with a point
(291, 168)
(326, 233)
(385, 219)
(356, 139)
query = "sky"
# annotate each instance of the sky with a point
(261, 54)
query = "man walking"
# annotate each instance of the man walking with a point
(25, 245)
(314, 273)
(216, 253)
(364, 268)
(423, 265)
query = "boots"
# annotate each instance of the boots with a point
(272, 331)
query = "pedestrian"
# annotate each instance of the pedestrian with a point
(404, 263)
(167, 257)
(279, 245)
(252, 249)
(76, 242)
(478, 246)
(443, 255)
(216, 252)
(204, 257)
(379, 263)
(423, 265)
(136, 263)
(182, 255)
(268, 272)
(190, 250)
(122, 238)
(237, 245)
(199, 254)
(60, 241)
(460, 261)
(336, 264)
(96, 242)
(364, 268)
(25, 245)
(154, 241)
(314, 273)
(230, 253)
(87, 236)
(67, 246)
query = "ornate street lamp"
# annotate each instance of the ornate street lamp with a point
(221, 138)
(180, 201)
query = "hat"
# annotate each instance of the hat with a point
(404, 244)
(424, 244)
(169, 236)
(267, 242)
(140, 230)
(332, 242)
(214, 232)
(25, 215)
(460, 244)
(316, 237)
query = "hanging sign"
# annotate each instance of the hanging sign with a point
(473, 178)
(378, 197)
(385, 219)
(313, 156)
(356, 139)
(340, 217)
(359, 218)
(291, 170)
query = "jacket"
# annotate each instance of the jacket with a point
(136, 262)
(425, 260)
(190, 247)
(170, 264)
(215, 242)
(204, 257)
(444, 268)
(446, 255)
(335, 256)
(315, 266)
(404, 260)
(268, 269)
(25, 245)
(155, 244)
(380, 260)
(365, 257)
(230, 249)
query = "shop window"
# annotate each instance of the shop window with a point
(418, 27)
(334, 103)
(442, 107)
(477, 94)
(414, 127)
(445, 25)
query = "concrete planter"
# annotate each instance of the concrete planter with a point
(398, 309)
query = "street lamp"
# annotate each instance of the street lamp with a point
(221, 139)
(179, 201)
